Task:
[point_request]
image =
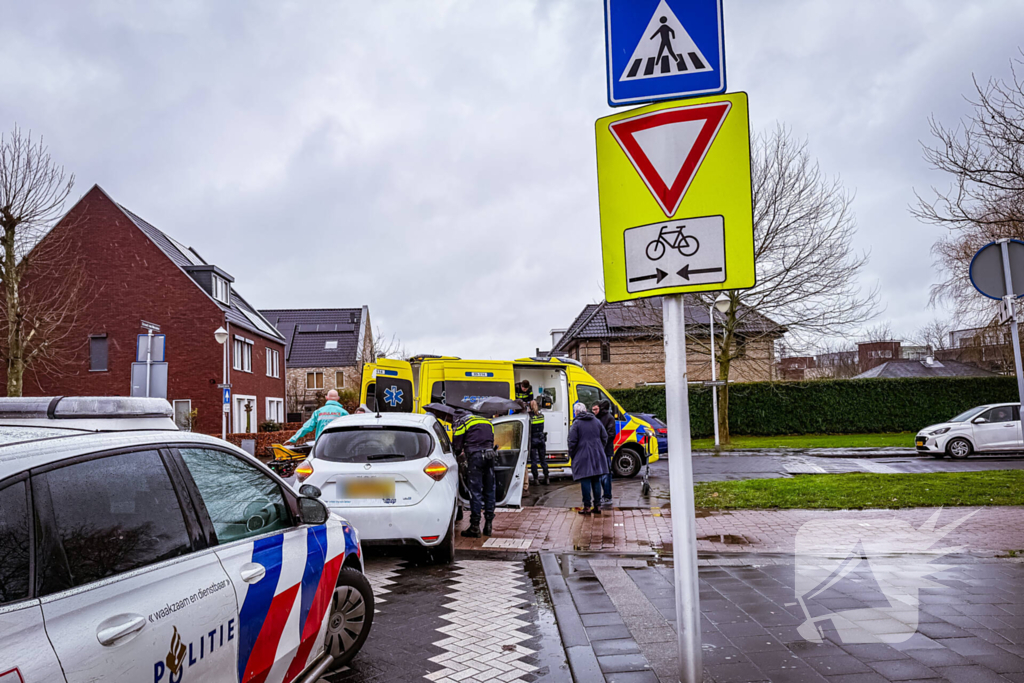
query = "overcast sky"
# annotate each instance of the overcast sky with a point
(435, 161)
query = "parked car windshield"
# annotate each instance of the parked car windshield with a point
(373, 443)
(965, 416)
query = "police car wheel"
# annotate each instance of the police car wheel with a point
(626, 463)
(351, 617)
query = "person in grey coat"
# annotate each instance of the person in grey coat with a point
(587, 439)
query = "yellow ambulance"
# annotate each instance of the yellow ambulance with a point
(407, 386)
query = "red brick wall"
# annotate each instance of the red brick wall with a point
(132, 280)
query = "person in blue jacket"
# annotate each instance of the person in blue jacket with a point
(587, 437)
(321, 417)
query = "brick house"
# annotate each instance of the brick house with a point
(138, 273)
(621, 344)
(325, 349)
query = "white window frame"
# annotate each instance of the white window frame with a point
(221, 289)
(237, 403)
(275, 409)
(339, 373)
(242, 361)
(314, 373)
(175, 407)
(273, 362)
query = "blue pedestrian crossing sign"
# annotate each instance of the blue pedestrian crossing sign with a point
(663, 49)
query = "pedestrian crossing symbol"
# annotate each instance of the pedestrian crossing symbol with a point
(663, 49)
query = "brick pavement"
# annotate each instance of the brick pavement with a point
(990, 531)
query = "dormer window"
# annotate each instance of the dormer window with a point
(221, 290)
(331, 345)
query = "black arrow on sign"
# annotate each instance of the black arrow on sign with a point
(660, 275)
(685, 271)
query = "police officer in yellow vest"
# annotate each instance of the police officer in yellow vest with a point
(473, 436)
(538, 443)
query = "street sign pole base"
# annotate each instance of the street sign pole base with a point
(680, 472)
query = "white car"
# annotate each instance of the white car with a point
(130, 551)
(991, 428)
(395, 477)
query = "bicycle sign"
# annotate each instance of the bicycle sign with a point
(674, 185)
(676, 253)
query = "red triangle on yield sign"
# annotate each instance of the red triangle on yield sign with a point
(667, 147)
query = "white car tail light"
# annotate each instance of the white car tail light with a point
(303, 471)
(435, 469)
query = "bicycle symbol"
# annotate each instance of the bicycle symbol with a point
(686, 245)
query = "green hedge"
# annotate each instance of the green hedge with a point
(842, 406)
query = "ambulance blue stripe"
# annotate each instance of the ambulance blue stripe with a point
(267, 552)
(316, 555)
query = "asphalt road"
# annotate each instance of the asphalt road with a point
(626, 493)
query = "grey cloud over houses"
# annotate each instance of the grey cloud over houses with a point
(435, 160)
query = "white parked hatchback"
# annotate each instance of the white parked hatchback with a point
(992, 428)
(395, 478)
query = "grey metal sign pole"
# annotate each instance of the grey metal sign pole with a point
(1004, 247)
(680, 472)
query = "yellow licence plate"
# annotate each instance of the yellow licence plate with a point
(366, 487)
(920, 442)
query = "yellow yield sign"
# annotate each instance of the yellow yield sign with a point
(674, 185)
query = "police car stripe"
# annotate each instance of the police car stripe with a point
(258, 598)
(318, 608)
(264, 651)
(316, 555)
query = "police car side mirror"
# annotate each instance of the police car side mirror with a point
(312, 511)
(309, 490)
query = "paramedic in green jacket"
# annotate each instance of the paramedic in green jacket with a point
(321, 417)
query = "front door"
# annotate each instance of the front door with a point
(1000, 430)
(124, 597)
(283, 573)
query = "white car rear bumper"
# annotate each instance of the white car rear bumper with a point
(405, 524)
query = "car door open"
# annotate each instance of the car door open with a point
(511, 443)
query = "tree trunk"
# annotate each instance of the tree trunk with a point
(15, 359)
(723, 405)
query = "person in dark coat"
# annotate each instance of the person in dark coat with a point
(603, 410)
(587, 438)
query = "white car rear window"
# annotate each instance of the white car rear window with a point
(373, 443)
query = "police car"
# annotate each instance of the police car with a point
(130, 551)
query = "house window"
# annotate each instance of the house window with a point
(606, 352)
(98, 353)
(339, 380)
(221, 289)
(275, 409)
(314, 380)
(330, 344)
(243, 355)
(273, 363)
(183, 415)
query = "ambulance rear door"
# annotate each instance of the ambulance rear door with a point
(393, 387)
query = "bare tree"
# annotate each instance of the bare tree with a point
(935, 335)
(807, 268)
(37, 320)
(984, 154)
(879, 332)
(388, 347)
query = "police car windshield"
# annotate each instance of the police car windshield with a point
(373, 444)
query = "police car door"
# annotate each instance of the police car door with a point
(125, 598)
(283, 572)
(512, 444)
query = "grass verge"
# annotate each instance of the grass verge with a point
(905, 439)
(862, 491)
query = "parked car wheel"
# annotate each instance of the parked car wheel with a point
(445, 552)
(626, 463)
(958, 448)
(351, 617)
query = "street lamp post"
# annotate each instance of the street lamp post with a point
(722, 304)
(221, 335)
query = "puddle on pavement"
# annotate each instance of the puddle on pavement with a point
(552, 666)
(727, 539)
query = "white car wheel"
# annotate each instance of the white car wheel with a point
(958, 448)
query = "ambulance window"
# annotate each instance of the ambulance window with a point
(437, 392)
(370, 400)
(467, 393)
(14, 545)
(590, 396)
